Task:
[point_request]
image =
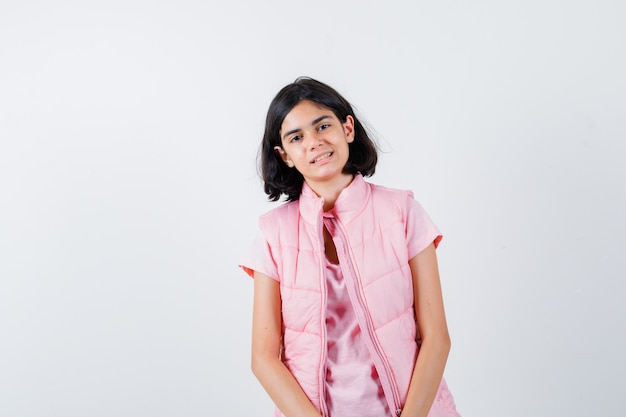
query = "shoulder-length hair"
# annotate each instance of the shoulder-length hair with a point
(280, 179)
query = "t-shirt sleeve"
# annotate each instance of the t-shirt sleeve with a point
(259, 258)
(420, 229)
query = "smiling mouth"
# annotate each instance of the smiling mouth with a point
(319, 158)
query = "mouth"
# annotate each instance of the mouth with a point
(322, 156)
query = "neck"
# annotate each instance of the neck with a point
(330, 190)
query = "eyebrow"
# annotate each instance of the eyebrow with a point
(313, 123)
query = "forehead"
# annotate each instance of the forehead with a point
(303, 114)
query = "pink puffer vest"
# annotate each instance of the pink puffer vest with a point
(368, 225)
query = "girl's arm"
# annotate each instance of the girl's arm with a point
(266, 341)
(431, 323)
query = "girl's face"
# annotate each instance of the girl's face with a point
(315, 142)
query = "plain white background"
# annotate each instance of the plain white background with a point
(128, 191)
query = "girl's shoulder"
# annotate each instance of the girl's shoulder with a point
(277, 225)
(281, 211)
(383, 194)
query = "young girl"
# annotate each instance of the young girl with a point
(346, 285)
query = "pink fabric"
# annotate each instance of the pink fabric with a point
(382, 229)
(352, 384)
(419, 233)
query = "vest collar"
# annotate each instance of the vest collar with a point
(351, 201)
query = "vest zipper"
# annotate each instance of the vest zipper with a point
(380, 361)
(324, 350)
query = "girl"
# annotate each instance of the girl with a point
(346, 285)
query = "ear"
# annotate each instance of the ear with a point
(348, 128)
(283, 155)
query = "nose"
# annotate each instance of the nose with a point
(314, 139)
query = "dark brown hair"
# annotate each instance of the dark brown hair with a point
(280, 179)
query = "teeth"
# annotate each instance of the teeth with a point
(326, 155)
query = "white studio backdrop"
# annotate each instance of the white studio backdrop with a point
(128, 191)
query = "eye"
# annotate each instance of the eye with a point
(323, 126)
(295, 138)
